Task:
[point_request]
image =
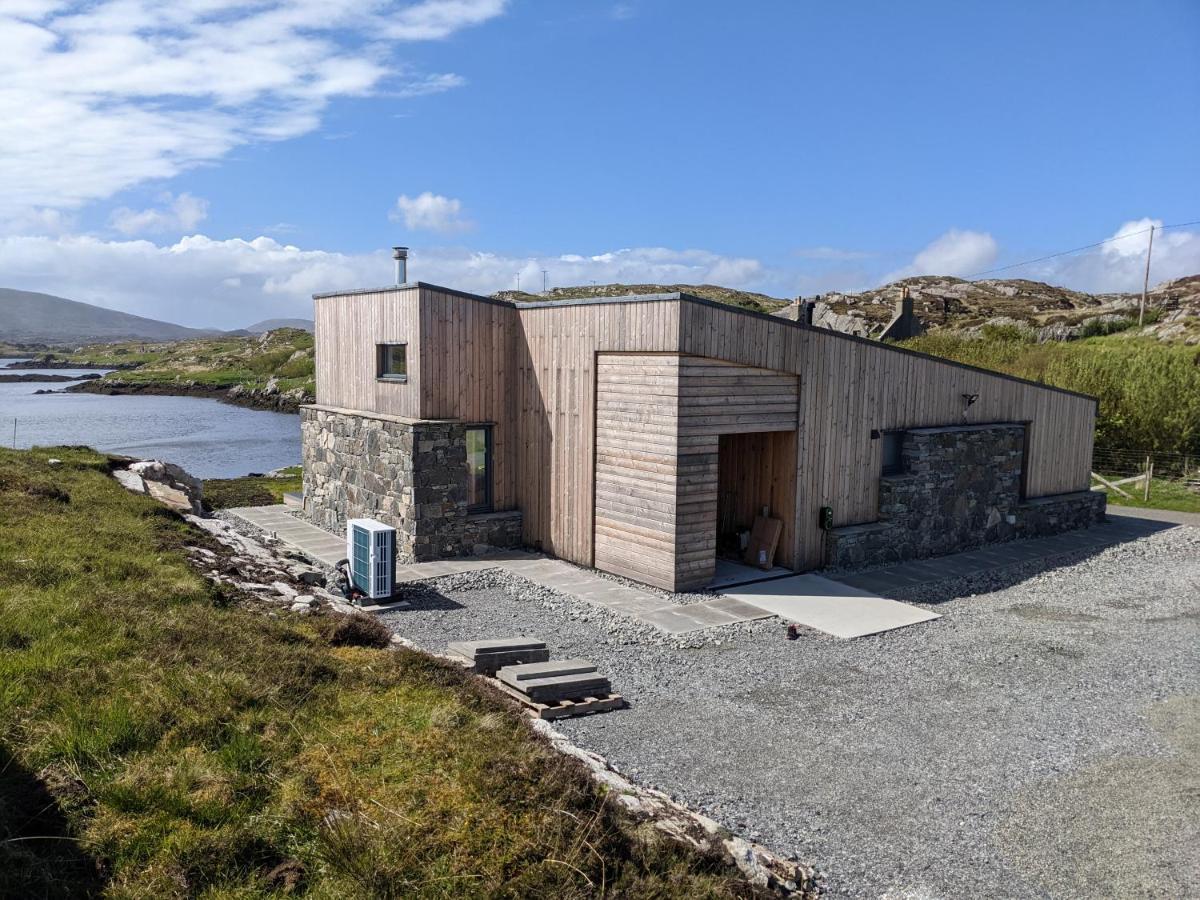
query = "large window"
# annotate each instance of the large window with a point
(479, 468)
(391, 362)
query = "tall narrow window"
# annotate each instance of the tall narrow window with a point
(391, 362)
(893, 462)
(479, 468)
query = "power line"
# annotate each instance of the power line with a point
(1119, 237)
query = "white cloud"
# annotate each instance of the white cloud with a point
(954, 253)
(178, 213)
(99, 96)
(430, 84)
(1120, 264)
(430, 212)
(436, 19)
(226, 283)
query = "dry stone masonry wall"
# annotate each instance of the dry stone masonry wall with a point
(412, 476)
(960, 488)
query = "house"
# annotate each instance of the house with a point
(640, 435)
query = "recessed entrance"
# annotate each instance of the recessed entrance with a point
(755, 470)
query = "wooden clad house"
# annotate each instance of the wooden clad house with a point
(635, 434)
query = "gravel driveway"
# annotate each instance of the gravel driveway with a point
(1042, 739)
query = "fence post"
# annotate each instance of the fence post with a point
(1149, 475)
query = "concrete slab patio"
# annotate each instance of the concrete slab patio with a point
(829, 606)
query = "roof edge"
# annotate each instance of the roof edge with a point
(410, 285)
(683, 296)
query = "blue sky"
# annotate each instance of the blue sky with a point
(789, 147)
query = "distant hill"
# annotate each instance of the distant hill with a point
(271, 324)
(29, 317)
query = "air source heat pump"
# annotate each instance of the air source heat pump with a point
(371, 549)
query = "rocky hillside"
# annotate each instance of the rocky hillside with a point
(731, 296)
(945, 303)
(1052, 313)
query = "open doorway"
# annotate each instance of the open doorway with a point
(755, 470)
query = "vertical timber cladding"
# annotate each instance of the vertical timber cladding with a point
(659, 419)
(849, 387)
(555, 358)
(469, 376)
(347, 328)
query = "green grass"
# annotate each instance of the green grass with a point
(159, 740)
(257, 490)
(286, 355)
(1163, 495)
(1149, 392)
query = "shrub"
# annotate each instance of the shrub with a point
(356, 630)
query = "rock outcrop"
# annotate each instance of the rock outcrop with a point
(165, 482)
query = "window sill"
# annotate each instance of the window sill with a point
(493, 514)
(392, 379)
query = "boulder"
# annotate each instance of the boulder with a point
(165, 482)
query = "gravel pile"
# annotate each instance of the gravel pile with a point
(1000, 751)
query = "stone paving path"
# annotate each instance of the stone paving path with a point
(554, 574)
(675, 618)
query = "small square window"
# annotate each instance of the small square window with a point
(890, 447)
(391, 362)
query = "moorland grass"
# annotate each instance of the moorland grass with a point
(251, 490)
(158, 739)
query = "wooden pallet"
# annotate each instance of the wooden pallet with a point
(562, 708)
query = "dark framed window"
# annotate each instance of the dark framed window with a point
(391, 362)
(890, 443)
(479, 468)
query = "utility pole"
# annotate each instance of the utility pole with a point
(518, 282)
(1146, 280)
(544, 273)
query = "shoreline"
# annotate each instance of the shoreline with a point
(275, 402)
(30, 377)
(33, 362)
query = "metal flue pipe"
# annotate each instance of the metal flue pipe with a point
(400, 255)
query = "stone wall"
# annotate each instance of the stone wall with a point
(412, 476)
(960, 488)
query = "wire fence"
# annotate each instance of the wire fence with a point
(1181, 467)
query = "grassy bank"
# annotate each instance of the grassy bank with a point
(1163, 495)
(252, 490)
(160, 739)
(1149, 392)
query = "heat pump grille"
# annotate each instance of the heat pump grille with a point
(371, 548)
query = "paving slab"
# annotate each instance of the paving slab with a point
(554, 668)
(830, 606)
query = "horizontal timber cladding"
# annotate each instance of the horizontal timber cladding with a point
(348, 326)
(637, 466)
(658, 422)
(849, 387)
